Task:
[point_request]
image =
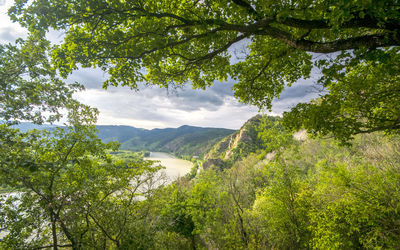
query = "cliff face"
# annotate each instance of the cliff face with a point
(247, 135)
(236, 146)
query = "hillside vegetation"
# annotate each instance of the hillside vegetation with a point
(272, 191)
(185, 140)
(234, 147)
(313, 194)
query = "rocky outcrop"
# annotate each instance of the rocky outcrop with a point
(236, 146)
(247, 135)
(300, 135)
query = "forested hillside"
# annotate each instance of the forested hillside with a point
(313, 193)
(183, 141)
(280, 192)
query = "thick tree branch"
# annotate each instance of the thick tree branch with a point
(179, 24)
(367, 41)
(263, 27)
(392, 127)
(103, 230)
(252, 12)
(65, 230)
(366, 22)
(220, 50)
(168, 45)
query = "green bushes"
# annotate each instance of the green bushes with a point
(314, 194)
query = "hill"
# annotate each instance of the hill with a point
(183, 141)
(25, 126)
(118, 133)
(236, 146)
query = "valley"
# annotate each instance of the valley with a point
(174, 167)
(185, 141)
(310, 88)
(238, 186)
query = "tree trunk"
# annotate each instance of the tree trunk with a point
(54, 230)
(193, 240)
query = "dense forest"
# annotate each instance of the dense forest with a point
(286, 193)
(325, 175)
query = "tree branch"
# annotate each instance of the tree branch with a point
(252, 12)
(366, 22)
(220, 50)
(368, 41)
(381, 128)
(168, 45)
(103, 230)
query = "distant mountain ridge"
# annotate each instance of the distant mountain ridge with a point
(25, 126)
(184, 140)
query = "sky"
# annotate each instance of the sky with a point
(152, 107)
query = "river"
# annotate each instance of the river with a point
(175, 167)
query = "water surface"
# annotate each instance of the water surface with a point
(175, 167)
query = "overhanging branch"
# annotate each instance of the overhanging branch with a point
(355, 23)
(367, 41)
(252, 12)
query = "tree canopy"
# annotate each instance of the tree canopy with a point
(29, 87)
(68, 191)
(169, 43)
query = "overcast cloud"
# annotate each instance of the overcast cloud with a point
(152, 107)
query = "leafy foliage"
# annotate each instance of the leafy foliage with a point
(68, 183)
(273, 134)
(68, 191)
(168, 43)
(362, 97)
(314, 194)
(30, 89)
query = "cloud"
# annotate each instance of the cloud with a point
(90, 78)
(302, 91)
(8, 35)
(210, 99)
(153, 107)
(9, 31)
(55, 36)
(150, 109)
